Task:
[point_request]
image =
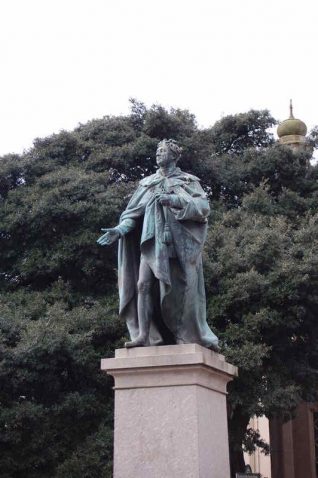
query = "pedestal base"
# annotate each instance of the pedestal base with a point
(170, 412)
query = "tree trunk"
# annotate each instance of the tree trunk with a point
(237, 427)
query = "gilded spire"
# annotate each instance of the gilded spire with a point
(291, 116)
(292, 131)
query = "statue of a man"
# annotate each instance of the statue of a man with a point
(161, 235)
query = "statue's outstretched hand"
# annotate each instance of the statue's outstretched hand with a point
(111, 235)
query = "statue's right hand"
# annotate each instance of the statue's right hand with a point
(111, 235)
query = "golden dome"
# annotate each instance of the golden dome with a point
(291, 126)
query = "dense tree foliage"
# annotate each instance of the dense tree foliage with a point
(58, 312)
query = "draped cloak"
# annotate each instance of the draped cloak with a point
(178, 295)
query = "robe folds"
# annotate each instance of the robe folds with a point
(178, 295)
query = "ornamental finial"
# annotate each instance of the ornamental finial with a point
(291, 116)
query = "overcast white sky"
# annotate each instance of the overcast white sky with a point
(69, 61)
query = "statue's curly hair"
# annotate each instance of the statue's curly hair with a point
(174, 147)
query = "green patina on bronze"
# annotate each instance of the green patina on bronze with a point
(161, 235)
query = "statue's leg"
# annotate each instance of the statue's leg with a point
(145, 305)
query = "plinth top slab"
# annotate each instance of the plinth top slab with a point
(164, 350)
(168, 355)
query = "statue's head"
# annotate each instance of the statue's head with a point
(168, 151)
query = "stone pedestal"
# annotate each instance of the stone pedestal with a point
(170, 412)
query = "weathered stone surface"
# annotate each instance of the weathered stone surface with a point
(170, 412)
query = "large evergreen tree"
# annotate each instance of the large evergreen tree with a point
(58, 312)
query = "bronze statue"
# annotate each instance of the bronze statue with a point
(161, 235)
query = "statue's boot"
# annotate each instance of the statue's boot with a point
(208, 344)
(144, 316)
(212, 346)
(138, 342)
(215, 347)
(157, 342)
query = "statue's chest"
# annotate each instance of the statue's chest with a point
(167, 186)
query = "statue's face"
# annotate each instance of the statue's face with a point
(163, 155)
